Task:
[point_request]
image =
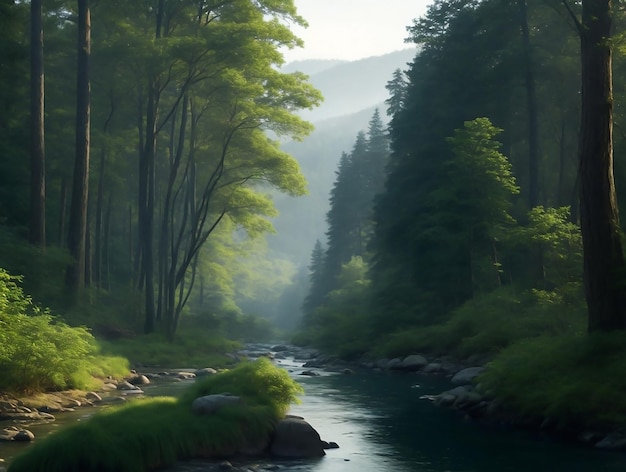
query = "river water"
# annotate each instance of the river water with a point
(382, 424)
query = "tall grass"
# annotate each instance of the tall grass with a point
(147, 434)
(574, 381)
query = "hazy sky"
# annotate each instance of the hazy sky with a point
(352, 29)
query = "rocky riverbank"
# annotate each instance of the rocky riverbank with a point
(466, 396)
(292, 437)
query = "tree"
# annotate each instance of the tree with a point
(317, 285)
(37, 233)
(75, 276)
(604, 268)
(474, 206)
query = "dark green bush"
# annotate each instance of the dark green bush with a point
(574, 380)
(490, 322)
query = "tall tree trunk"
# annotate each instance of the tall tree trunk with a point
(531, 109)
(62, 210)
(37, 230)
(147, 188)
(603, 257)
(97, 253)
(75, 276)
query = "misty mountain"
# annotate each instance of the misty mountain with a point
(311, 66)
(352, 91)
(349, 87)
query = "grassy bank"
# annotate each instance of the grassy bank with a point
(147, 434)
(572, 382)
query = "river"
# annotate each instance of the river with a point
(382, 424)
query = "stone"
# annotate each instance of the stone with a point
(310, 373)
(24, 435)
(613, 442)
(204, 372)
(467, 376)
(124, 385)
(432, 368)
(211, 403)
(185, 375)
(139, 380)
(280, 348)
(93, 396)
(395, 364)
(413, 362)
(295, 438)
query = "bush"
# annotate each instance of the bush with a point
(491, 322)
(574, 380)
(148, 434)
(39, 352)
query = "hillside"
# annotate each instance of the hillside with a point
(352, 91)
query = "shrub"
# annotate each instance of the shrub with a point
(574, 380)
(39, 352)
(493, 321)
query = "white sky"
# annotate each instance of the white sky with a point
(353, 29)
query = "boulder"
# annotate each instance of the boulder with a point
(294, 437)
(185, 375)
(204, 372)
(467, 376)
(413, 362)
(138, 379)
(124, 385)
(211, 403)
(93, 396)
(24, 435)
(614, 442)
(310, 373)
(432, 368)
(280, 348)
(394, 364)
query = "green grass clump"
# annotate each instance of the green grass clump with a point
(573, 380)
(147, 434)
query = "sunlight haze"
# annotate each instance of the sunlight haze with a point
(353, 29)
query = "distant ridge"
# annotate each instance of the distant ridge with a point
(311, 66)
(351, 86)
(352, 90)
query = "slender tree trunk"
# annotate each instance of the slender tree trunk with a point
(106, 232)
(531, 107)
(37, 233)
(603, 257)
(62, 209)
(75, 276)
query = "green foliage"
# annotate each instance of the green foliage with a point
(491, 322)
(342, 325)
(572, 380)
(260, 382)
(148, 434)
(192, 348)
(39, 352)
(550, 233)
(39, 269)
